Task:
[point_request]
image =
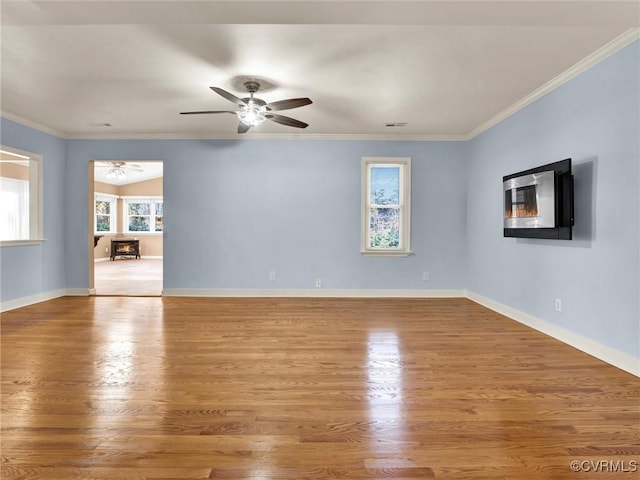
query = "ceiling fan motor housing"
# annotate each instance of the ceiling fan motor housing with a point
(251, 86)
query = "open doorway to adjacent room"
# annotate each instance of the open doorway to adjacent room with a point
(126, 209)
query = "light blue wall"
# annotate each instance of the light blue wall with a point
(594, 119)
(237, 209)
(234, 210)
(35, 269)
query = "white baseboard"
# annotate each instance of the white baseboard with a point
(320, 292)
(42, 297)
(98, 260)
(607, 354)
(77, 292)
(614, 357)
(31, 299)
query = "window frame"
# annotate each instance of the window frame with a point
(113, 199)
(152, 200)
(36, 203)
(404, 198)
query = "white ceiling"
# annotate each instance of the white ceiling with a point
(136, 171)
(446, 68)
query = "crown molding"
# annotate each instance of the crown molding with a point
(31, 124)
(269, 136)
(583, 65)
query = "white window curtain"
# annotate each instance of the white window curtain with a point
(14, 209)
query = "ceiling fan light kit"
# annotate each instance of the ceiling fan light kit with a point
(117, 169)
(116, 173)
(253, 111)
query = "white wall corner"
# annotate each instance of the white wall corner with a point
(607, 354)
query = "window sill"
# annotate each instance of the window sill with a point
(20, 243)
(141, 234)
(386, 253)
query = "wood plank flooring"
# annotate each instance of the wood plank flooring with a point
(194, 388)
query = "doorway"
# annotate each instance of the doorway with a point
(126, 219)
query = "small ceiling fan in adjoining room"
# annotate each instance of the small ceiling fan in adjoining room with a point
(118, 169)
(253, 111)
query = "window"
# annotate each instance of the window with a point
(20, 196)
(386, 195)
(105, 210)
(143, 215)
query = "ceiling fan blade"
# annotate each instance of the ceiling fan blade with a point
(229, 96)
(288, 104)
(288, 121)
(207, 111)
(243, 128)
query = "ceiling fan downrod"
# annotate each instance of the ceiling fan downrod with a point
(253, 113)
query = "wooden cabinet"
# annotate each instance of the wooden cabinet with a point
(125, 248)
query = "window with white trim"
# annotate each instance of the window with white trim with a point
(20, 196)
(105, 213)
(143, 215)
(386, 209)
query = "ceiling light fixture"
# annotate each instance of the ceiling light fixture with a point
(252, 113)
(116, 173)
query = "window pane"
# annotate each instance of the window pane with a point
(138, 224)
(384, 228)
(103, 223)
(103, 207)
(159, 224)
(14, 209)
(139, 208)
(385, 185)
(159, 208)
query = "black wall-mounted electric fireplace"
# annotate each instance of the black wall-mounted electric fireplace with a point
(538, 203)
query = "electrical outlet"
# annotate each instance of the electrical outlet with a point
(106, 249)
(558, 305)
(425, 276)
(318, 283)
(272, 275)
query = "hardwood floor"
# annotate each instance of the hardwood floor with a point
(198, 388)
(129, 276)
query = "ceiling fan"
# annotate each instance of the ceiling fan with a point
(253, 111)
(117, 169)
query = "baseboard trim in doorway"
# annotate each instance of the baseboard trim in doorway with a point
(607, 354)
